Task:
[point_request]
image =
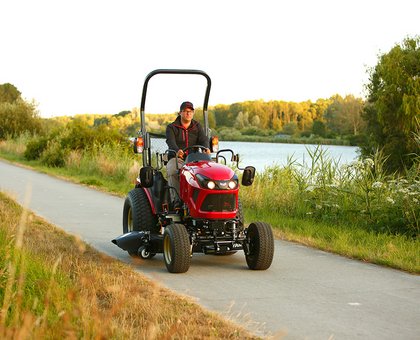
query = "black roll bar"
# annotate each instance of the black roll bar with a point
(175, 71)
(147, 156)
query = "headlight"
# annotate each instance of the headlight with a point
(232, 184)
(211, 185)
(207, 183)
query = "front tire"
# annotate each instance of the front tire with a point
(260, 246)
(176, 248)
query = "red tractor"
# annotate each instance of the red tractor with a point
(210, 220)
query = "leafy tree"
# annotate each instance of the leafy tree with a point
(101, 121)
(343, 115)
(9, 93)
(241, 120)
(318, 128)
(290, 128)
(221, 113)
(393, 106)
(122, 113)
(256, 121)
(212, 120)
(18, 117)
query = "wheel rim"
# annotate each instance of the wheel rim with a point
(251, 244)
(144, 253)
(167, 249)
(130, 220)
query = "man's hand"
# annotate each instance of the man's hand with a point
(180, 153)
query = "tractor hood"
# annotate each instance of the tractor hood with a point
(212, 170)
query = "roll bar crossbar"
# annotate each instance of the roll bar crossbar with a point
(175, 71)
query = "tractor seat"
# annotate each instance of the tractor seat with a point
(197, 157)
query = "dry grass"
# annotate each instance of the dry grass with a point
(134, 171)
(13, 147)
(74, 159)
(55, 286)
(106, 165)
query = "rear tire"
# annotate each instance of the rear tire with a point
(176, 248)
(260, 242)
(137, 214)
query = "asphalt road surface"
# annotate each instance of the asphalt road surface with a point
(305, 294)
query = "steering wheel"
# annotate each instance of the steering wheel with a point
(198, 154)
(195, 148)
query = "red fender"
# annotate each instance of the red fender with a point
(149, 197)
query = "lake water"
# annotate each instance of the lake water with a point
(262, 155)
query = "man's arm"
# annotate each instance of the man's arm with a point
(170, 139)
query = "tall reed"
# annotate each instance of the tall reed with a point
(360, 193)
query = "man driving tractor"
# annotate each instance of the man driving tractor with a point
(183, 132)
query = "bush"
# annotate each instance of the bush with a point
(35, 148)
(53, 148)
(78, 135)
(229, 134)
(290, 128)
(54, 155)
(18, 117)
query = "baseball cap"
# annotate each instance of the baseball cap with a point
(186, 105)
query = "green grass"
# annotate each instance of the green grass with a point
(396, 251)
(28, 284)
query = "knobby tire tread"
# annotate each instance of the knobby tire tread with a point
(143, 218)
(180, 248)
(264, 242)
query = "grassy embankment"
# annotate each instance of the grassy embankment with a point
(53, 286)
(357, 211)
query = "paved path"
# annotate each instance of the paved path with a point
(307, 294)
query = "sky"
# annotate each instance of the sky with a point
(91, 56)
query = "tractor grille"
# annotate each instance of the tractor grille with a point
(219, 202)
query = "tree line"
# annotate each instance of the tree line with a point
(332, 117)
